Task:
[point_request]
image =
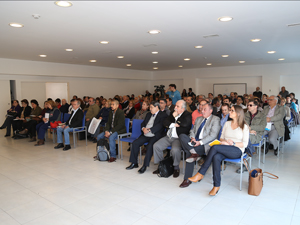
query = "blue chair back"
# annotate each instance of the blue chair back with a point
(220, 132)
(83, 124)
(66, 117)
(127, 121)
(136, 128)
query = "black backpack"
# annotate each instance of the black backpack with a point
(102, 150)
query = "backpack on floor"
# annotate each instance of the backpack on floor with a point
(102, 150)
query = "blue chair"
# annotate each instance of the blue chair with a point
(292, 122)
(127, 122)
(66, 117)
(76, 130)
(279, 139)
(258, 147)
(136, 132)
(239, 161)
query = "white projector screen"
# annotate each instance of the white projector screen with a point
(225, 89)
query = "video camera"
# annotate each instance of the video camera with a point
(161, 89)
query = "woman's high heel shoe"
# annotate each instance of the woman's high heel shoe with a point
(198, 176)
(214, 191)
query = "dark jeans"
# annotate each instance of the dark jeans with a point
(17, 125)
(135, 148)
(189, 168)
(216, 154)
(41, 129)
(7, 124)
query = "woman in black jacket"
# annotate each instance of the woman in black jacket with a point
(25, 112)
(14, 111)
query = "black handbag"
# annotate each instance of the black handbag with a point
(165, 167)
(12, 114)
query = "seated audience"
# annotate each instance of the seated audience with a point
(239, 101)
(12, 113)
(210, 96)
(205, 130)
(292, 95)
(21, 117)
(190, 103)
(170, 105)
(224, 116)
(163, 106)
(179, 122)
(141, 114)
(114, 126)
(275, 114)
(65, 106)
(284, 93)
(216, 103)
(98, 102)
(287, 109)
(197, 113)
(234, 139)
(152, 130)
(137, 104)
(227, 100)
(232, 98)
(57, 102)
(125, 102)
(129, 111)
(91, 112)
(41, 128)
(75, 120)
(257, 93)
(291, 104)
(183, 93)
(190, 93)
(86, 102)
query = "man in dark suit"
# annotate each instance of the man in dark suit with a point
(114, 126)
(153, 130)
(196, 144)
(75, 120)
(178, 122)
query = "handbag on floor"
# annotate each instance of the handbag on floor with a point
(165, 167)
(256, 180)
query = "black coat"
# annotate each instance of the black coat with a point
(26, 112)
(157, 129)
(185, 122)
(76, 120)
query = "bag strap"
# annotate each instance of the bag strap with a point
(274, 176)
(246, 164)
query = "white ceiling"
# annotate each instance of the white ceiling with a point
(125, 24)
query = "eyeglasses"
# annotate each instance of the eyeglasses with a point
(250, 105)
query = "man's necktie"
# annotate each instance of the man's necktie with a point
(199, 130)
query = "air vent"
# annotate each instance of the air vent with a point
(293, 24)
(150, 45)
(210, 36)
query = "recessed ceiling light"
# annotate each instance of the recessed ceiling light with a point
(154, 53)
(271, 52)
(281, 59)
(155, 68)
(180, 66)
(43, 56)
(93, 60)
(198, 46)
(104, 42)
(187, 59)
(120, 57)
(155, 62)
(69, 50)
(225, 56)
(128, 64)
(255, 40)
(225, 18)
(16, 25)
(154, 31)
(63, 3)
(241, 61)
(209, 64)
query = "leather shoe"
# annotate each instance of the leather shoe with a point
(156, 171)
(60, 145)
(6, 135)
(132, 165)
(214, 191)
(142, 170)
(67, 147)
(112, 159)
(176, 173)
(185, 183)
(193, 158)
(40, 142)
(276, 151)
(198, 176)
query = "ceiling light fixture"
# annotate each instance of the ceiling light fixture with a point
(225, 56)
(198, 46)
(154, 53)
(255, 40)
(241, 61)
(155, 68)
(209, 64)
(271, 52)
(180, 66)
(69, 50)
(155, 62)
(43, 56)
(120, 57)
(104, 42)
(187, 59)
(281, 59)
(225, 19)
(63, 3)
(16, 25)
(128, 64)
(154, 31)
(93, 60)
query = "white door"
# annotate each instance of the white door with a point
(5, 99)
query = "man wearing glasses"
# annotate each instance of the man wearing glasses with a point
(275, 114)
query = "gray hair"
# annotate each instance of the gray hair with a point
(275, 97)
(210, 107)
(183, 104)
(155, 104)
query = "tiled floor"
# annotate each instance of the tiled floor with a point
(41, 185)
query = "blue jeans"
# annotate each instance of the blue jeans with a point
(112, 142)
(216, 155)
(66, 131)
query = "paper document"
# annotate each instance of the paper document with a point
(94, 125)
(268, 127)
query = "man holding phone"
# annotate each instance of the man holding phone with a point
(205, 130)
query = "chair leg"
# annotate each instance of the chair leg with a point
(183, 162)
(140, 155)
(85, 136)
(264, 156)
(222, 167)
(241, 175)
(259, 152)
